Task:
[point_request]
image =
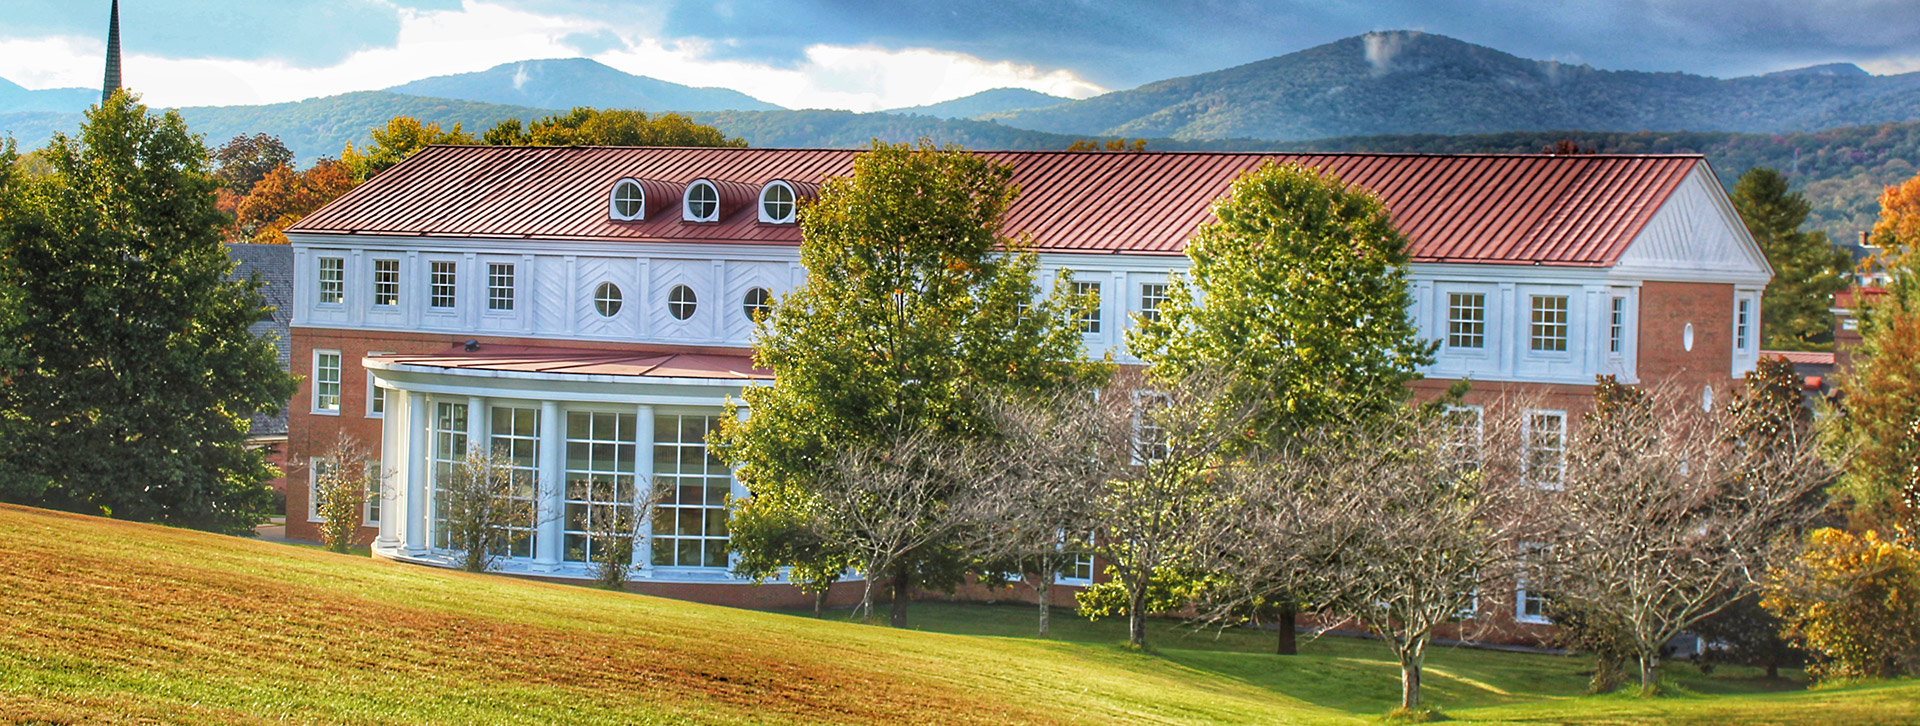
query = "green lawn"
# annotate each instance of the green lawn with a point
(116, 622)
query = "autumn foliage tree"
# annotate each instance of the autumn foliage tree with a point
(1897, 234)
(284, 196)
(394, 142)
(607, 127)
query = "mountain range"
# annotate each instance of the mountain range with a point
(568, 82)
(988, 102)
(16, 99)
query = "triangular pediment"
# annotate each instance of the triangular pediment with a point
(1695, 236)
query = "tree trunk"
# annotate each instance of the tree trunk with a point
(865, 610)
(1649, 672)
(1410, 682)
(1041, 592)
(1137, 617)
(898, 617)
(819, 602)
(1773, 670)
(1288, 643)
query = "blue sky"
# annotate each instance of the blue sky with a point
(866, 54)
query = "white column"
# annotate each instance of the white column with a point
(643, 482)
(392, 450)
(415, 461)
(477, 424)
(553, 488)
(739, 490)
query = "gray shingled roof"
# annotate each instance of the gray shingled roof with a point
(274, 264)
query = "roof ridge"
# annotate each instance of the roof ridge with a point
(1168, 152)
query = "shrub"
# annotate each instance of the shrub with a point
(1854, 601)
(341, 478)
(486, 498)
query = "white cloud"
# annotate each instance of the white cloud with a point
(481, 35)
(1891, 66)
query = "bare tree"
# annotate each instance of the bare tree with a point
(1147, 523)
(614, 528)
(1395, 521)
(343, 479)
(486, 499)
(1036, 481)
(886, 503)
(1670, 511)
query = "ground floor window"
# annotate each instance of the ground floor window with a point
(599, 474)
(449, 453)
(515, 435)
(692, 484)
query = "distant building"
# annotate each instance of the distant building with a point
(274, 265)
(590, 310)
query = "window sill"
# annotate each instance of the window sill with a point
(1533, 619)
(324, 412)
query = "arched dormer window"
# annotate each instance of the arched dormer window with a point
(628, 202)
(778, 203)
(702, 202)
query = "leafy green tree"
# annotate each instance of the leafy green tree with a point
(607, 127)
(1298, 285)
(1807, 271)
(241, 162)
(130, 374)
(1880, 411)
(913, 303)
(393, 143)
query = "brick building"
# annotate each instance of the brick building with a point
(589, 309)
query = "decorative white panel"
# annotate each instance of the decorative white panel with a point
(741, 277)
(589, 274)
(1695, 236)
(552, 303)
(695, 274)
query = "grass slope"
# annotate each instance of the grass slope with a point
(117, 622)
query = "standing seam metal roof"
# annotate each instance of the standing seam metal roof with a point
(1578, 210)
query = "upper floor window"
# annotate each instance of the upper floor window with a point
(1545, 437)
(326, 381)
(1549, 331)
(606, 300)
(386, 282)
(333, 280)
(629, 201)
(777, 205)
(1466, 320)
(499, 286)
(1090, 312)
(1466, 433)
(759, 301)
(1742, 323)
(376, 396)
(681, 302)
(1617, 324)
(702, 203)
(441, 288)
(1152, 294)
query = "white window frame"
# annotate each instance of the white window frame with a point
(1527, 444)
(339, 375)
(386, 283)
(336, 287)
(690, 305)
(1142, 424)
(667, 509)
(1743, 323)
(1457, 333)
(374, 391)
(749, 308)
(1479, 458)
(1617, 325)
(443, 284)
(608, 300)
(371, 505)
(614, 199)
(792, 203)
(1534, 327)
(687, 201)
(1090, 318)
(1152, 296)
(1520, 590)
(501, 297)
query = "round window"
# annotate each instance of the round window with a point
(776, 203)
(629, 200)
(681, 302)
(606, 299)
(703, 202)
(759, 301)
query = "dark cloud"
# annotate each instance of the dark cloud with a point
(301, 32)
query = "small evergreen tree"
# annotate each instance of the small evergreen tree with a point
(129, 372)
(1807, 270)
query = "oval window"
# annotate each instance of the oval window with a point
(703, 202)
(776, 203)
(629, 200)
(759, 301)
(1686, 337)
(606, 299)
(681, 302)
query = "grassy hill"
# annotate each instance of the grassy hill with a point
(1408, 82)
(116, 622)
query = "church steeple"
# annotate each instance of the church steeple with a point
(113, 55)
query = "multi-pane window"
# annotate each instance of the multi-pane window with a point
(1466, 320)
(1150, 438)
(326, 380)
(1090, 310)
(1616, 324)
(333, 280)
(441, 291)
(1466, 434)
(703, 203)
(1546, 441)
(499, 286)
(691, 485)
(759, 300)
(1742, 318)
(1530, 604)
(1081, 569)
(386, 282)
(1549, 331)
(371, 506)
(606, 299)
(317, 469)
(600, 479)
(376, 397)
(516, 435)
(1152, 294)
(681, 302)
(776, 203)
(449, 455)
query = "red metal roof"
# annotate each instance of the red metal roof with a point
(586, 362)
(1801, 357)
(1511, 209)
